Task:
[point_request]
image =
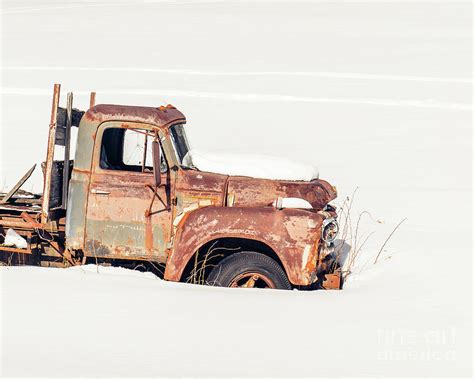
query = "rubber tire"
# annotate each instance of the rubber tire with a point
(247, 261)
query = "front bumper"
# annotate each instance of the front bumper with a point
(328, 274)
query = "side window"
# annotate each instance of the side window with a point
(128, 150)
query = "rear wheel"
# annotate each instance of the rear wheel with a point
(248, 269)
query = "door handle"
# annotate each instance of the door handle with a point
(99, 191)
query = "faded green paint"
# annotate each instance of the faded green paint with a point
(125, 239)
(76, 210)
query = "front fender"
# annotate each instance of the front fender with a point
(293, 234)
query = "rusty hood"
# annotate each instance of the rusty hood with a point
(245, 191)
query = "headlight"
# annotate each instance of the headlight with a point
(330, 229)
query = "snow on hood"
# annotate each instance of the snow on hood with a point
(257, 166)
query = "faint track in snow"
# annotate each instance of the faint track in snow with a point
(32, 9)
(23, 10)
(249, 97)
(317, 74)
(299, 1)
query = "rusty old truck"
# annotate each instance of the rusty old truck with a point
(160, 215)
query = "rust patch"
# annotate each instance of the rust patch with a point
(332, 281)
(160, 118)
(262, 192)
(148, 234)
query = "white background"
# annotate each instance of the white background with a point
(377, 94)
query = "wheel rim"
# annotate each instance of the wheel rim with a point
(251, 280)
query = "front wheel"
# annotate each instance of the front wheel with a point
(248, 269)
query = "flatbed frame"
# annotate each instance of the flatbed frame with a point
(40, 219)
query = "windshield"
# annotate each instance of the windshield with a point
(180, 141)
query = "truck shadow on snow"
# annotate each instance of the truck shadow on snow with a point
(342, 251)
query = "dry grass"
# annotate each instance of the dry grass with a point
(353, 239)
(387, 239)
(204, 263)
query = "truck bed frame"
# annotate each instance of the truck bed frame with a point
(41, 219)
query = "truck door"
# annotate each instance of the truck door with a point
(121, 193)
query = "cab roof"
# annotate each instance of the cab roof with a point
(161, 117)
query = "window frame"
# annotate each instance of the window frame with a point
(137, 127)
